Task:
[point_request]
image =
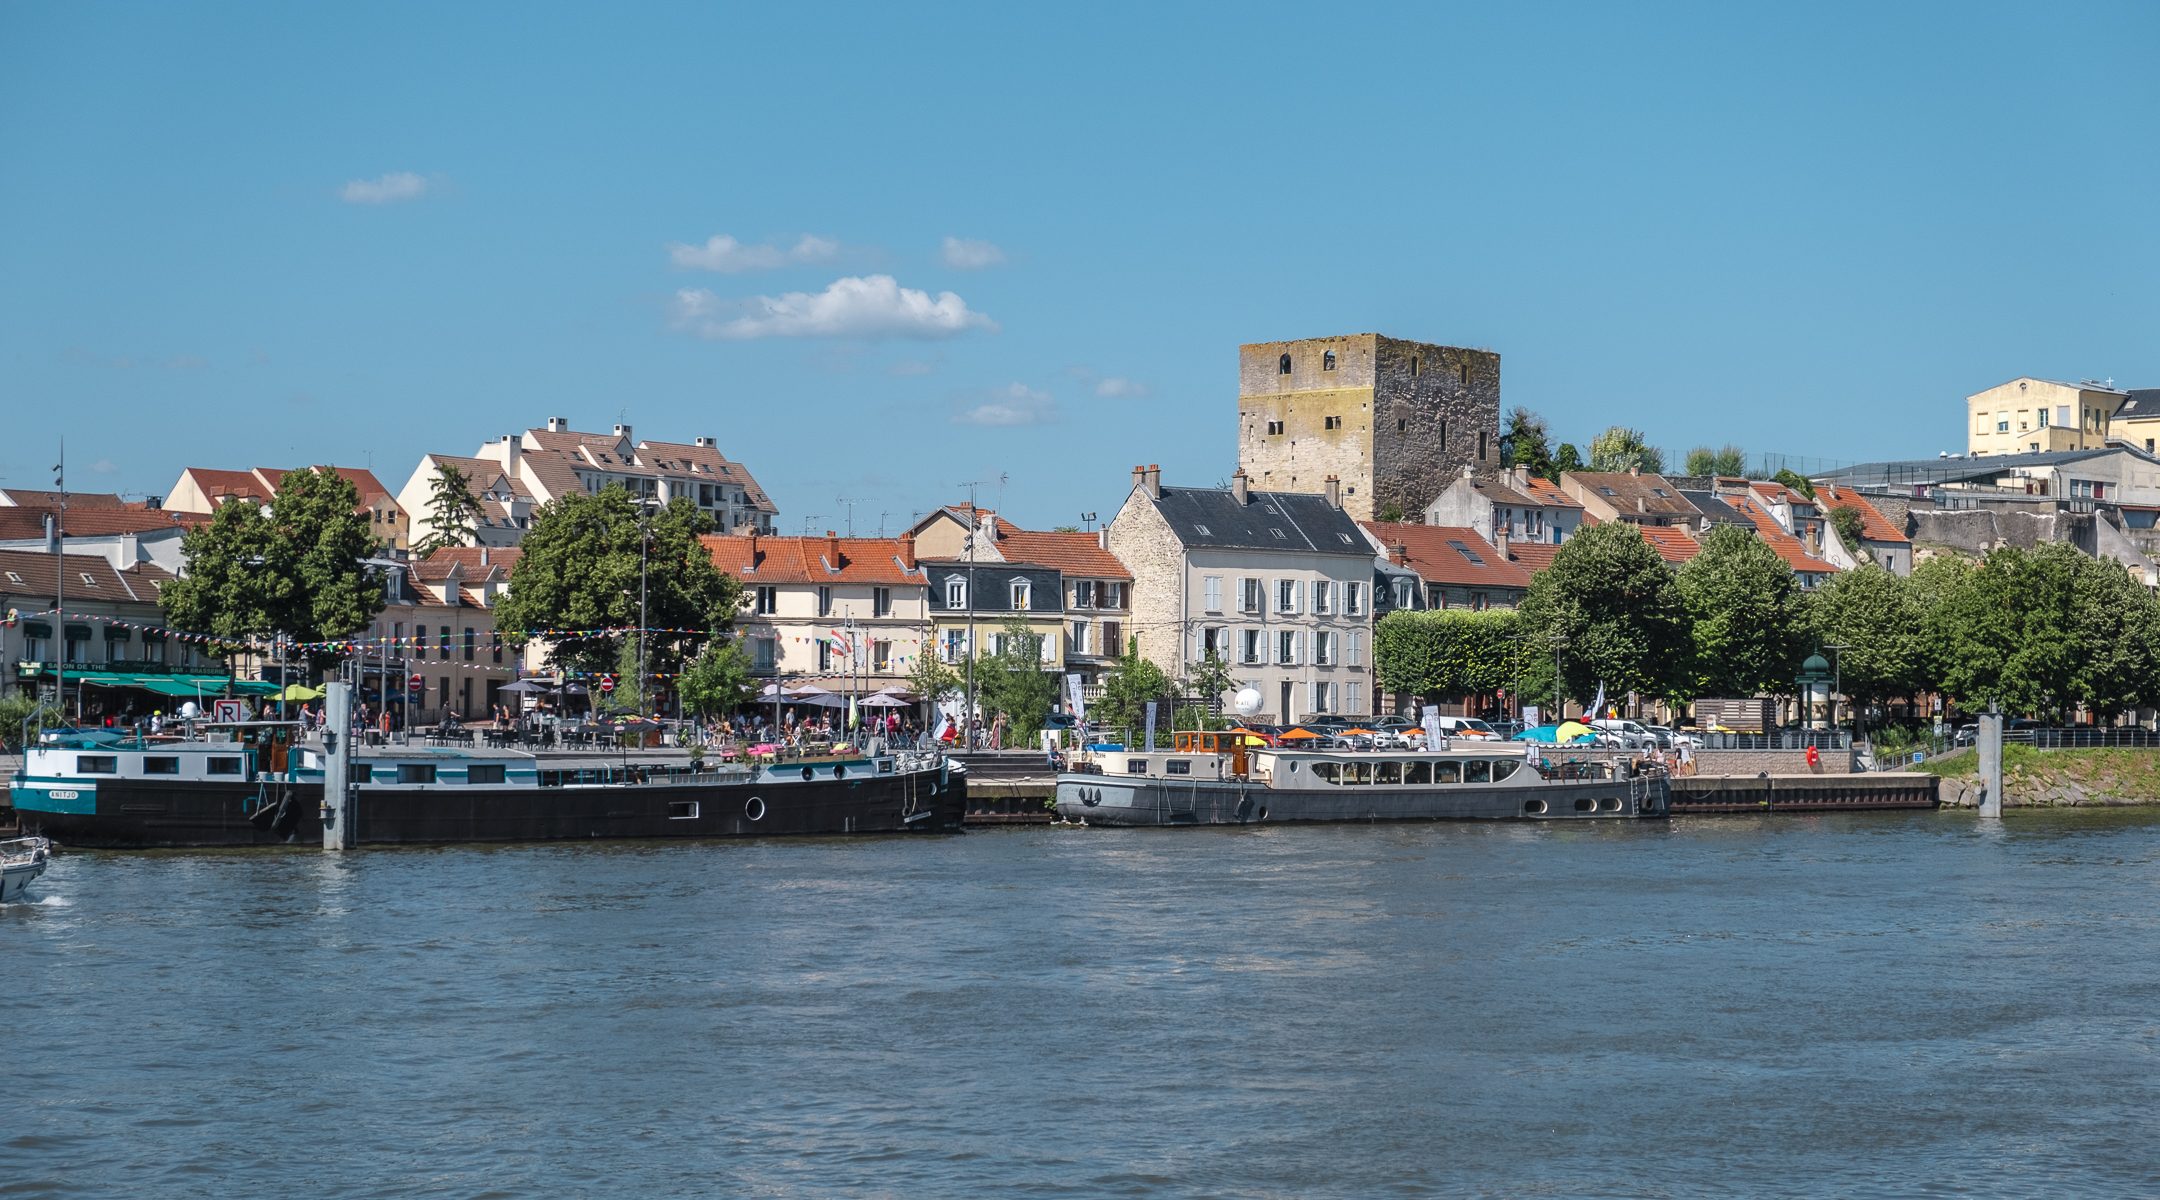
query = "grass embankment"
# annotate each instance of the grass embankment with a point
(2056, 778)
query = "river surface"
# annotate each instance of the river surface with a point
(1866, 1005)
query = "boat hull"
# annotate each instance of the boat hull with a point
(1153, 801)
(123, 814)
(15, 879)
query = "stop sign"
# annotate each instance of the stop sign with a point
(416, 684)
(607, 683)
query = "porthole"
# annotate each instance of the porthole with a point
(1534, 808)
(807, 774)
(1263, 814)
(839, 772)
(1586, 804)
(754, 809)
(1610, 804)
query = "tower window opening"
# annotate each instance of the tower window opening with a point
(1327, 361)
(1465, 374)
(1282, 365)
(1417, 364)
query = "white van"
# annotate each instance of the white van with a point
(1626, 733)
(1467, 727)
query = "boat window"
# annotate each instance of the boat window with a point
(1417, 772)
(354, 773)
(1357, 773)
(551, 779)
(416, 773)
(97, 764)
(484, 773)
(1477, 770)
(1324, 770)
(1447, 772)
(161, 764)
(1136, 766)
(1387, 772)
(1177, 766)
(1501, 770)
(682, 810)
(221, 765)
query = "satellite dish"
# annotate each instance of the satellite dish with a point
(1246, 702)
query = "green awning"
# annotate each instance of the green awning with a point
(37, 629)
(101, 679)
(175, 685)
(254, 687)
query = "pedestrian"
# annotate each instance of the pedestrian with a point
(1687, 759)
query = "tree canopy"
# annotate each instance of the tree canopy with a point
(1449, 652)
(1126, 691)
(297, 566)
(579, 572)
(452, 510)
(1795, 480)
(719, 679)
(1851, 528)
(1528, 443)
(1871, 621)
(1566, 458)
(1622, 449)
(1609, 605)
(1744, 614)
(1014, 682)
(1725, 460)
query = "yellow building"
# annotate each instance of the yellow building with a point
(2036, 416)
(2137, 422)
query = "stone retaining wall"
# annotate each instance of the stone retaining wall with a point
(1773, 762)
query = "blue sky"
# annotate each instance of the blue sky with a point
(239, 235)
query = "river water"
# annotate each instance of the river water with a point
(1892, 1004)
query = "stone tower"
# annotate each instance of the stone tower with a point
(1394, 420)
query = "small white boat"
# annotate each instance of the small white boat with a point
(21, 860)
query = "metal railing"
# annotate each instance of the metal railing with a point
(1777, 739)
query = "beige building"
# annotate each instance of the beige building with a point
(439, 624)
(1393, 420)
(2039, 416)
(1278, 584)
(848, 614)
(202, 490)
(1094, 588)
(2137, 422)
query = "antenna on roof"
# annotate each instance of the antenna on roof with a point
(850, 511)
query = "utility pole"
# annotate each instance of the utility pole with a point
(967, 715)
(60, 585)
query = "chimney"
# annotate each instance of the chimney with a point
(1635, 469)
(1102, 538)
(1332, 486)
(1640, 505)
(558, 424)
(513, 452)
(52, 534)
(1522, 477)
(1139, 477)
(832, 550)
(705, 443)
(753, 547)
(1153, 480)
(623, 432)
(989, 524)
(483, 556)
(1399, 554)
(1240, 487)
(907, 551)
(1467, 473)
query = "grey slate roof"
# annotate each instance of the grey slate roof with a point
(1211, 518)
(1719, 512)
(1960, 469)
(2143, 404)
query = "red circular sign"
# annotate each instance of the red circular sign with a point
(417, 684)
(607, 683)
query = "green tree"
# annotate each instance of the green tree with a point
(719, 680)
(1610, 607)
(15, 711)
(1566, 458)
(930, 678)
(1725, 460)
(629, 691)
(1208, 680)
(2115, 621)
(2012, 631)
(1126, 691)
(1622, 449)
(1013, 681)
(1876, 622)
(1528, 443)
(1851, 528)
(1744, 616)
(1449, 653)
(297, 566)
(580, 572)
(1391, 511)
(1934, 587)
(1794, 480)
(452, 510)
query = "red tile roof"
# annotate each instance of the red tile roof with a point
(468, 560)
(1532, 556)
(1628, 488)
(30, 574)
(1449, 554)
(1874, 526)
(811, 560)
(95, 522)
(1787, 546)
(1671, 542)
(27, 498)
(1073, 553)
(1532, 491)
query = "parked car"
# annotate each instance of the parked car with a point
(1673, 739)
(1467, 727)
(1508, 729)
(1396, 724)
(1619, 731)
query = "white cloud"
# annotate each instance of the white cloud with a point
(1017, 404)
(1117, 387)
(967, 254)
(870, 306)
(104, 466)
(389, 189)
(726, 255)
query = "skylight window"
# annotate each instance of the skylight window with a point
(1660, 493)
(1279, 536)
(1607, 491)
(86, 578)
(13, 577)
(1467, 552)
(1345, 538)
(1203, 530)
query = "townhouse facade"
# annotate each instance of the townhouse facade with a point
(1511, 506)
(1454, 567)
(2040, 416)
(515, 475)
(1629, 496)
(203, 491)
(1880, 542)
(1278, 584)
(1096, 587)
(848, 614)
(971, 605)
(110, 634)
(437, 626)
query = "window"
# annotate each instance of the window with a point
(880, 657)
(471, 643)
(222, 765)
(1280, 536)
(1113, 638)
(97, 764)
(1251, 650)
(2043, 415)
(1286, 648)
(768, 600)
(1083, 593)
(1656, 491)
(1136, 766)
(2062, 414)
(824, 655)
(13, 577)
(1286, 595)
(161, 764)
(1354, 647)
(1077, 638)
(1481, 445)
(765, 654)
(416, 773)
(445, 643)
(1323, 596)
(1021, 593)
(1478, 602)
(1334, 422)
(824, 601)
(880, 602)
(682, 810)
(952, 645)
(1274, 428)
(1354, 599)
(1177, 766)
(1323, 649)
(1249, 595)
(1387, 772)
(484, 773)
(1447, 772)
(1463, 549)
(1327, 361)
(1463, 374)
(1211, 593)
(1323, 697)
(1215, 640)
(1354, 697)
(495, 645)
(419, 641)
(1282, 365)
(2002, 422)
(1416, 364)
(956, 593)
(87, 579)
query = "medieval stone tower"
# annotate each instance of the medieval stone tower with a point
(1393, 420)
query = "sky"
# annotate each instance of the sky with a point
(883, 252)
